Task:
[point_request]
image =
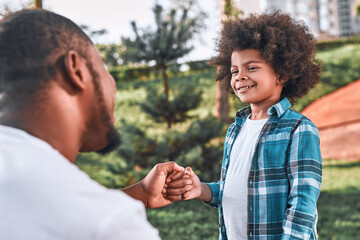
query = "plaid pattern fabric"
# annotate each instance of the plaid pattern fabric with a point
(285, 177)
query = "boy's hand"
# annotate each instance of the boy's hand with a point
(186, 188)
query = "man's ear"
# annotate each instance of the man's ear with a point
(74, 68)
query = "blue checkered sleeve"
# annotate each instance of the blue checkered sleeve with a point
(215, 189)
(304, 174)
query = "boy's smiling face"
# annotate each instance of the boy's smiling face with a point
(254, 80)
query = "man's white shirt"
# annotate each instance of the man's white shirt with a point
(44, 196)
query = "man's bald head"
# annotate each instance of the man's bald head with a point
(32, 43)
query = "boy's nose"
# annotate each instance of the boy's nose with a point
(241, 76)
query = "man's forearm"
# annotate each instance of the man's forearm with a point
(136, 191)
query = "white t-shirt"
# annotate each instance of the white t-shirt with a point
(234, 201)
(44, 196)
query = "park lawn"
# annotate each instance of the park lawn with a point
(339, 202)
(338, 206)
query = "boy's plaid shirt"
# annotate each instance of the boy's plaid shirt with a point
(284, 179)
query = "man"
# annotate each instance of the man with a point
(57, 99)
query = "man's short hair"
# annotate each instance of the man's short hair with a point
(32, 43)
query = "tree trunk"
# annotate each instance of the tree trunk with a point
(166, 80)
(38, 3)
(221, 109)
(166, 89)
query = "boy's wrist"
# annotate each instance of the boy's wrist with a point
(205, 193)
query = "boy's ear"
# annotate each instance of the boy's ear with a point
(281, 80)
(74, 68)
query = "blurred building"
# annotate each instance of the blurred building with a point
(326, 18)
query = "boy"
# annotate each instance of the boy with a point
(271, 171)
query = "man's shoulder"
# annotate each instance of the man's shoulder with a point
(58, 197)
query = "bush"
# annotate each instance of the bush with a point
(124, 73)
(324, 45)
(199, 65)
(185, 98)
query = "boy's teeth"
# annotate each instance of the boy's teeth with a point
(243, 88)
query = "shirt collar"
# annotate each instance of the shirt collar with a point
(278, 109)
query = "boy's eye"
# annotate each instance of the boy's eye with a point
(252, 68)
(234, 71)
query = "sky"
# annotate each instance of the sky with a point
(115, 17)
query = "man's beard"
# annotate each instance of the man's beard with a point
(112, 136)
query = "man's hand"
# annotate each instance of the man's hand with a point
(154, 183)
(151, 189)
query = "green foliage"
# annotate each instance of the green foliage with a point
(193, 148)
(200, 65)
(111, 53)
(190, 148)
(193, 142)
(137, 147)
(164, 45)
(108, 170)
(186, 97)
(327, 45)
(230, 10)
(342, 72)
(169, 40)
(126, 73)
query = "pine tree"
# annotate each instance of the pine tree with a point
(168, 42)
(188, 147)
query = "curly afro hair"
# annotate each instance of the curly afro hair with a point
(282, 41)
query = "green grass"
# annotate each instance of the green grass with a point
(190, 220)
(339, 202)
(338, 206)
(331, 55)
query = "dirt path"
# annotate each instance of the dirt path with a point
(337, 115)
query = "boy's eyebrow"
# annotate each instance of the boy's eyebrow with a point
(252, 61)
(249, 62)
